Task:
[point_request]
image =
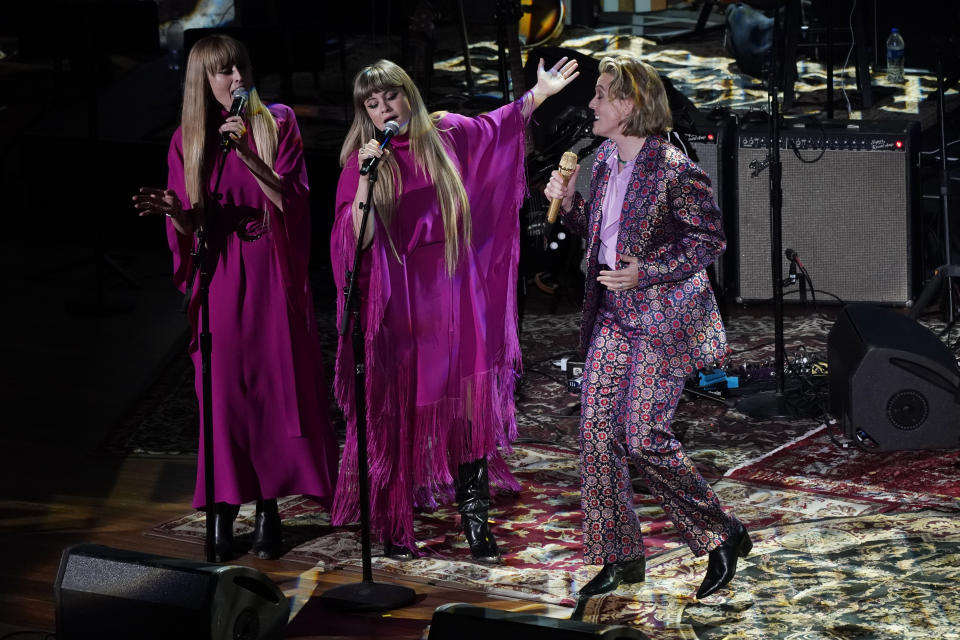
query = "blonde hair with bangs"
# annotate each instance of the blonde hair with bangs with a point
(638, 82)
(202, 111)
(428, 151)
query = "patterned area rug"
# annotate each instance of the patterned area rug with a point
(874, 576)
(907, 479)
(840, 549)
(538, 530)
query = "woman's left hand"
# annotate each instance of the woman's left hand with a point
(556, 78)
(622, 279)
(237, 130)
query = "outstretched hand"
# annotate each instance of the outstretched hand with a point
(553, 80)
(152, 202)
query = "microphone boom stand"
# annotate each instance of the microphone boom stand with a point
(769, 405)
(366, 595)
(948, 270)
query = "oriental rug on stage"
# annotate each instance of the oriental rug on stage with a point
(874, 576)
(835, 529)
(538, 530)
(918, 479)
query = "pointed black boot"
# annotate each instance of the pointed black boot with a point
(614, 573)
(473, 499)
(223, 516)
(723, 562)
(267, 531)
(397, 552)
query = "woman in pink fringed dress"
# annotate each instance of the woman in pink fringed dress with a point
(437, 288)
(271, 429)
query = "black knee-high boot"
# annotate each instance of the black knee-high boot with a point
(473, 499)
(223, 516)
(267, 536)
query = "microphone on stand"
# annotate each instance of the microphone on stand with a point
(390, 129)
(240, 98)
(794, 264)
(791, 278)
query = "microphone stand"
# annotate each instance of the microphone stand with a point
(366, 595)
(200, 258)
(769, 405)
(948, 270)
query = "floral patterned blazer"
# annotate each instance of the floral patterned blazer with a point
(670, 221)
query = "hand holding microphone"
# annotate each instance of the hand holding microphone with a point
(228, 134)
(390, 129)
(559, 189)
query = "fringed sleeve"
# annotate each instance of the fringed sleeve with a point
(491, 151)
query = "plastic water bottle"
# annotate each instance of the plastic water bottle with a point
(895, 48)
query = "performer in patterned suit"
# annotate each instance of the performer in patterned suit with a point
(649, 319)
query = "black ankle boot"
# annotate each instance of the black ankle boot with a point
(613, 574)
(723, 561)
(473, 499)
(267, 531)
(223, 516)
(396, 551)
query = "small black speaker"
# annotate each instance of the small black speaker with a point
(893, 384)
(106, 593)
(466, 622)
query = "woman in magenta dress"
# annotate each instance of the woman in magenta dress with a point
(438, 303)
(271, 429)
(649, 319)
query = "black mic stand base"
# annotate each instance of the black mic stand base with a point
(367, 596)
(933, 288)
(767, 405)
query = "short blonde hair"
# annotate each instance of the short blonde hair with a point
(638, 82)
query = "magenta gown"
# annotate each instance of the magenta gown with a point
(442, 352)
(271, 426)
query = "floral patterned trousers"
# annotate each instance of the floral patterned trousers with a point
(627, 408)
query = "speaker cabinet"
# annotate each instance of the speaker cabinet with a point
(893, 384)
(109, 593)
(712, 145)
(849, 196)
(466, 622)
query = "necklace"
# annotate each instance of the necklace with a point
(621, 160)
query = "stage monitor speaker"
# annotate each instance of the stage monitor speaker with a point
(893, 384)
(108, 593)
(849, 196)
(712, 145)
(467, 622)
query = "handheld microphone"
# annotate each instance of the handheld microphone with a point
(390, 129)
(240, 97)
(568, 162)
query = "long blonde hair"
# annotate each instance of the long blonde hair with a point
(428, 151)
(201, 110)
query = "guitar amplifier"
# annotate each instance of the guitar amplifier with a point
(850, 190)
